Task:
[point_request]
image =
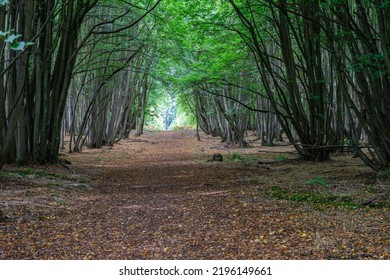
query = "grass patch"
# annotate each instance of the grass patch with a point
(236, 157)
(384, 175)
(280, 158)
(4, 174)
(318, 181)
(28, 172)
(63, 202)
(50, 180)
(315, 198)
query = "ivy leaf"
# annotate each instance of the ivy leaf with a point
(4, 34)
(11, 38)
(20, 46)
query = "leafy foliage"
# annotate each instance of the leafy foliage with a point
(9, 37)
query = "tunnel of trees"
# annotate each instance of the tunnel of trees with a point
(88, 73)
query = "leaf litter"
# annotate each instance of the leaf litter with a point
(160, 197)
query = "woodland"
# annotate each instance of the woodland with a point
(195, 129)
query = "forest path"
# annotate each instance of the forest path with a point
(157, 197)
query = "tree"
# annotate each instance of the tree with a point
(358, 35)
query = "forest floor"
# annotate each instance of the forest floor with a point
(159, 197)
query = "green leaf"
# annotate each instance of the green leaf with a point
(11, 38)
(4, 34)
(18, 46)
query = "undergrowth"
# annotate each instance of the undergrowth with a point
(27, 172)
(236, 157)
(321, 199)
(30, 173)
(280, 158)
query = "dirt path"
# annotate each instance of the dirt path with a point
(157, 197)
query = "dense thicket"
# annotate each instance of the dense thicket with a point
(110, 86)
(79, 49)
(34, 84)
(327, 63)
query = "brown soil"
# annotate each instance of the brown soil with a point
(159, 197)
